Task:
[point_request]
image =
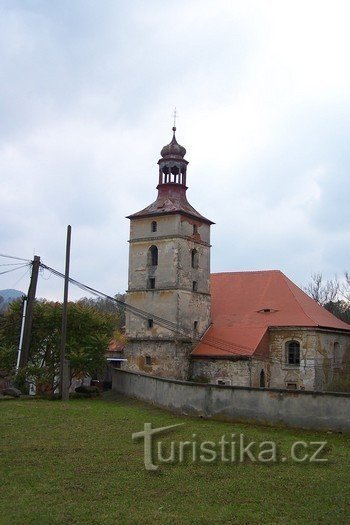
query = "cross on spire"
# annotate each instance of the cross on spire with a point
(175, 116)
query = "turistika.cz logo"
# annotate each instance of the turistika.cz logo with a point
(235, 448)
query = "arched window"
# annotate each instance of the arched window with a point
(262, 379)
(152, 256)
(293, 352)
(194, 258)
(154, 226)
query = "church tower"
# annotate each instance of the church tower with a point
(169, 275)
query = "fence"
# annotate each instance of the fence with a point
(304, 409)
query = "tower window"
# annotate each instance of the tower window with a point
(195, 325)
(262, 379)
(148, 360)
(150, 323)
(194, 258)
(154, 226)
(293, 352)
(152, 256)
(195, 229)
(337, 355)
(152, 283)
(194, 286)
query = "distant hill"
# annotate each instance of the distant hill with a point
(7, 296)
(11, 294)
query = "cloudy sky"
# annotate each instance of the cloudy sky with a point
(87, 93)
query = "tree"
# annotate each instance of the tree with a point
(89, 332)
(322, 291)
(107, 305)
(340, 309)
(333, 294)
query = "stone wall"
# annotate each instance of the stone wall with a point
(214, 370)
(160, 358)
(320, 411)
(179, 297)
(317, 357)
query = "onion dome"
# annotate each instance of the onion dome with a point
(173, 149)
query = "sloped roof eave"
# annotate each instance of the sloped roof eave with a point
(308, 327)
(226, 357)
(143, 215)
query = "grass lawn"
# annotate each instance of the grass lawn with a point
(75, 463)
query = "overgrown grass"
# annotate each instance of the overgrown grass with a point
(75, 463)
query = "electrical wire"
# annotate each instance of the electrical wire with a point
(25, 273)
(14, 269)
(208, 340)
(13, 257)
(11, 264)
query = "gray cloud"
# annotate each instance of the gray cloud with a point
(86, 98)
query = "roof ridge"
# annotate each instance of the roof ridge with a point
(247, 271)
(287, 281)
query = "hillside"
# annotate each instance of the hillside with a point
(7, 296)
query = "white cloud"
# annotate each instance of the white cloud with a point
(262, 91)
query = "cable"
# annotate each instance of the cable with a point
(138, 312)
(169, 325)
(13, 257)
(14, 269)
(10, 264)
(20, 279)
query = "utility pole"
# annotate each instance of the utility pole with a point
(27, 331)
(24, 308)
(64, 363)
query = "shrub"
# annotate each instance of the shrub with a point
(88, 390)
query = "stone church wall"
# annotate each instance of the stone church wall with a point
(324, 357)
(318, 360)
(159, 358)
(214, 370)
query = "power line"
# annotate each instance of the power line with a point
(137, 311)
(25, 273)
(11, 264)
(13, 257)
(208, 340)
(14, 269)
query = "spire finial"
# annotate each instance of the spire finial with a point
(175, 115)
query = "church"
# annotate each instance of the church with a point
(253, 329)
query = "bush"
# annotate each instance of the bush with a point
(88, 390)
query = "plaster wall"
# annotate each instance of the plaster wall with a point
(160, 358)
(320, 362)
(320, 411)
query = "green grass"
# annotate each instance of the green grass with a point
(75, 463)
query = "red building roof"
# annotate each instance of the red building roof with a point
(246, 304)
(171, 200)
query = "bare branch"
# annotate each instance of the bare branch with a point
(321, 291)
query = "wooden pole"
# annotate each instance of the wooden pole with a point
(27, 331)
(64, 364)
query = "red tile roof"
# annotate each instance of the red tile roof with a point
(171, 199)
(116, 346)
(239, 323)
